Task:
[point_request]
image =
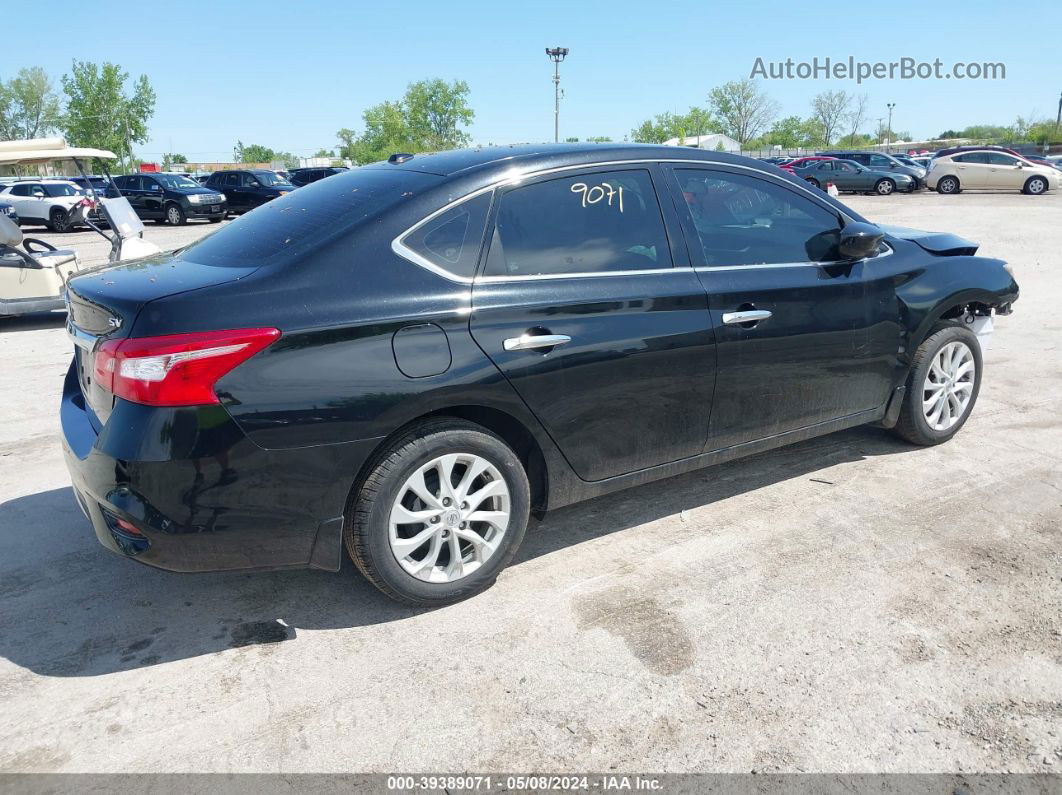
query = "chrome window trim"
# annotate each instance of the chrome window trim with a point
(808, 264)
(402, 250)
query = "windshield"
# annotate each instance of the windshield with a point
(176, 181)
(270, 180)
(287, 227)
(61, 190)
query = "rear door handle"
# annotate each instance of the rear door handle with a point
(529, 342)
(748, 316)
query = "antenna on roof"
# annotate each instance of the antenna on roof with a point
(399, 157)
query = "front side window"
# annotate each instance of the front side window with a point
(742, 220)
(880, 161)
(248, 181)
(848, 167)
(996, 159)
(177, 181)
(61, 189)
(590, 223)
(452, 240)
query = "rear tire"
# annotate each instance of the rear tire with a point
(175, 215)
(937, 402)
(469, 551)
(948, 184)
(813, 182)
(1035, 186)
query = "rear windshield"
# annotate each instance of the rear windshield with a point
(287, 227)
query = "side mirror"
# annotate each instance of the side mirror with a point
(859, 240)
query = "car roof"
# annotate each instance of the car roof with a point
(533, 157)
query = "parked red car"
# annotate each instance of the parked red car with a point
(803, 162)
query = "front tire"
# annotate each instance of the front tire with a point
(948, 184)
(59, 220)
(885, 187)
(441, 512)
(1035, 186)
(813, 182)
(175, 215)
(942, 386)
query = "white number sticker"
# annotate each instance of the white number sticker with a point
(596, 193)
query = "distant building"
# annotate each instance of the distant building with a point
(715, 142)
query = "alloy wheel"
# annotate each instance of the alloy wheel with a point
(1037, 185)
(884, 187)
(949, 384)
(449, 517)
(173, 215)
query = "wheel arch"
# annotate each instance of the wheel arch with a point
(505, 425)
(951, 308)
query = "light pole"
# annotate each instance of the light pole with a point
(880, 128)
(888, 136)
(556, 54)
(1058, 119)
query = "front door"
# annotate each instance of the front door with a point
(802, 339)
(153, 197)
(846, 176)
(1004, 172)
(603, 334)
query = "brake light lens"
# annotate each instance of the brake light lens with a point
(176, 369)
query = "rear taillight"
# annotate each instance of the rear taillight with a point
(178, 369)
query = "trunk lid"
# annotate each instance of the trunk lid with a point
(103, 303)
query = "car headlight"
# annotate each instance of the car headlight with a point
(197, 198)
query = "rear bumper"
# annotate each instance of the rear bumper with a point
(198, 494)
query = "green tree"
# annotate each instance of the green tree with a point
(743, 108)
(830, 109)
(99, 112)
(429, 116)
(599, 139)
(665, 126)
(252, 153)
(173, 159)
(29, 107)
(324, 153)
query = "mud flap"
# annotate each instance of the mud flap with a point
(327, 552)
(892, 411)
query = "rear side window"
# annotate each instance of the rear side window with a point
(451, 241)
(289, 226)
(972, 157)
(592, 223)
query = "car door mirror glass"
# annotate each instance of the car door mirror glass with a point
(859, 240)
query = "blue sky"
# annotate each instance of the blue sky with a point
(289, 75)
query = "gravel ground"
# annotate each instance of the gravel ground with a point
(845, 604)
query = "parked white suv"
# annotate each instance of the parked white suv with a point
(57, 204)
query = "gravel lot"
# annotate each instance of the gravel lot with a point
(846, 604)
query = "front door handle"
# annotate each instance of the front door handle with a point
(748, 316)
(530, 342)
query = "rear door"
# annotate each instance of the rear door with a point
(602, 332)
(972, 169)
(802, 339)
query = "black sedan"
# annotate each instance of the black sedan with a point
(411, 358)
(170, 198)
